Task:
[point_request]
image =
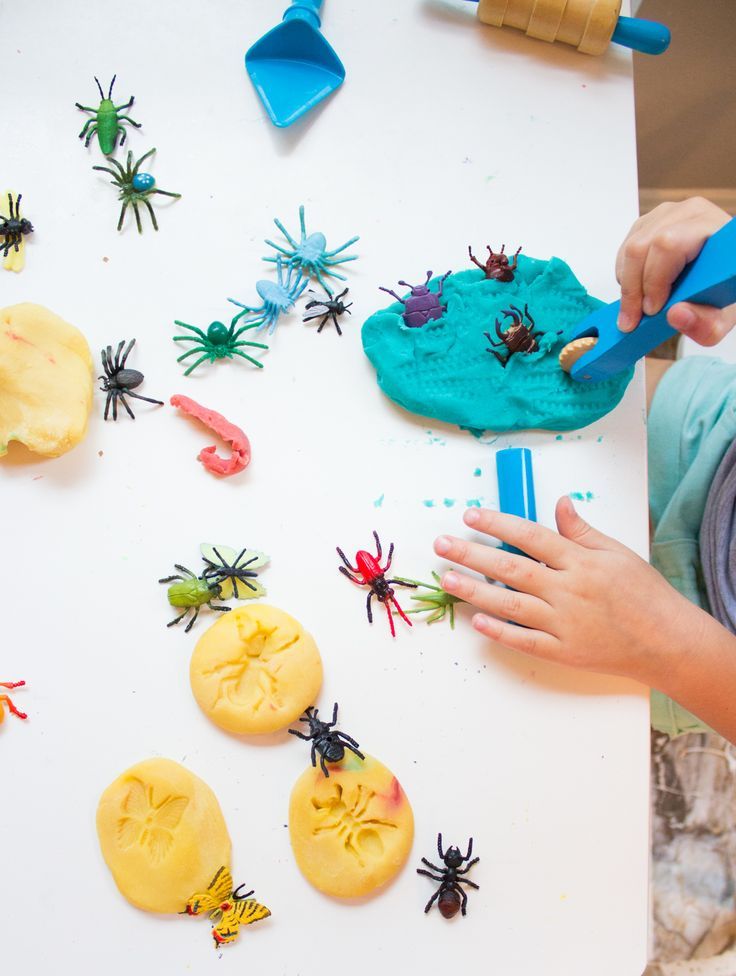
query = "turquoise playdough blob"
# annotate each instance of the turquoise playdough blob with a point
(443, 370)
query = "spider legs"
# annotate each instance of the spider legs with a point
(353, 569)
(391, 619)
(147, 399)
(369, 609)
(11, 707)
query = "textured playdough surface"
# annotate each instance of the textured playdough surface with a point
(255, 670)
(162, 834)
(444, 371)
(351, 832)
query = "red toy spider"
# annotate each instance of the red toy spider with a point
(369, 572)
(6, 700)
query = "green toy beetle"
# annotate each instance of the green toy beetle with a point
(107, 121)
(191, 592)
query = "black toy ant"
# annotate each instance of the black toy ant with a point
(329, 744)
(451, 896)
(14, 227)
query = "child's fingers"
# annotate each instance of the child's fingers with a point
(535, 540)
(702, 323)
(629, 271)
(522, 639)
(499, 601)
(506, 567)
(576, 529)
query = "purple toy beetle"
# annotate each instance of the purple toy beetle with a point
(423, 304)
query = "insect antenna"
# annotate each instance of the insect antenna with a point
(109, 94)
(99, 88)
(238, 897)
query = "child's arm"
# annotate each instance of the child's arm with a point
(591, 603)
(655, 251)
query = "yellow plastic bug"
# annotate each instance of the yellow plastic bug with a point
(226, 908)
(6, 699)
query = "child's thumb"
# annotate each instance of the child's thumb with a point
(702, 323)
(573, 527)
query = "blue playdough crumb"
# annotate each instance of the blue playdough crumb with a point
(559, 437)
(473, 503)
(448, 502)
(379, 501)
(428, 502)
(443, 369)
(477, 473)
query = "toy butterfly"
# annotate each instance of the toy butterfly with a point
(235, 572)
(227, 909)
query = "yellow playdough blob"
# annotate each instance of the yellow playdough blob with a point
(255, 670)
(162, 835)
(351, 832)
(45, 381)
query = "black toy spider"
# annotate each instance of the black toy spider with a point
(330, 745)
(14, 227)
(135, 187)
(233, 571)
(451, 896)
(119, 382)
(327, 308)
(518, 337)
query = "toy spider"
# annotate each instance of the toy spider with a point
(277, 297)
(329, 309)
(451, 896)
(7, 700)
(14, 227)
(119, 382)
(330, 745)
(372, 574)
(497, 265)
(310, 254)
(218, 342)
(518, 337)
(234, 571)
(135, 187)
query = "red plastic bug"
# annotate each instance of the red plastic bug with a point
(369, 572)
(6, 699)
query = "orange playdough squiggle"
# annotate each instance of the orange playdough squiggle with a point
(232, 435)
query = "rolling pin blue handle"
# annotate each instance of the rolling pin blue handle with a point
(516, 486)
(709, 280)
(305, 10)
(645, 36)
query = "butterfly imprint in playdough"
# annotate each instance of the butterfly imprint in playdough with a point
(149, 824)
(350, 817)
(444, 370)
(256, 667)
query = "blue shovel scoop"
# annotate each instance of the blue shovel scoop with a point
(292, 66)
(600, 350)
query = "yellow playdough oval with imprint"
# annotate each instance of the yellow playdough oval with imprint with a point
(351, 833)
(255, 670)
(162, 835)
(45, 381)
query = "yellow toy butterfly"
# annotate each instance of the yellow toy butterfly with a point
(227, 909)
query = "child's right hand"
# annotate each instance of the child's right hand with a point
(655, 251)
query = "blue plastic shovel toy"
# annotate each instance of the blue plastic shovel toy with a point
(600, 350)
(292, 66)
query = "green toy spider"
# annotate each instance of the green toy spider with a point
(437, 602)
(135, 187)
(218, 342)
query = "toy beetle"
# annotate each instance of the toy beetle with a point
(450, 897)
(518, 337)
(330, 745)
(7, 700)
(497, 265)
(107, 121)
(422, 304)
(370, 573)
(191, 592)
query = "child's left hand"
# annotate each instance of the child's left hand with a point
(589, 602)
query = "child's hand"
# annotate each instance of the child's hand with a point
(657, 248)
(594, 604)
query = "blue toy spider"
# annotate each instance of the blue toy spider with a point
(278, 296)
(310, 254)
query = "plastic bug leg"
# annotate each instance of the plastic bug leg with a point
(128, 118)
(86, 108)
(125, 404)
(11, 684)
(353, 749)
(170, 579)
(368, 609)
(392, 293)
(433, 899)
(353, 569)
(87, 124)
(464, 897)
(400, 611)
(467, 881)
(243, 355)
(122, 214)
(177, 619)
(346, 737)
(107, 405)
(390, 557)
(337, 324)
(285, 232)
(468, 867)
(191, 622)
(323, 765)
(138, 396)
(331, 254)
(194, 366)
(470, 850)
(439, 847)
(91, 133)
(115, 405)
(390, 619)
(192, 328)
(433, 866)
(11, 707)
(150, 211)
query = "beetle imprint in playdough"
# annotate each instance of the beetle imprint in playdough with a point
(255, 671)
(442, 369)
(351, 833)
(162, 834)
(147, 823)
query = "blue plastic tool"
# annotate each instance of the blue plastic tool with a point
(709, 280)
(645, 36)
(292, 67)
(516, 485)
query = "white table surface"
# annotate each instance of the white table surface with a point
(445, 133)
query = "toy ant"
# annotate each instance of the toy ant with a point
(451, 896)
(497, 265)
(330, 745)
(370, 573)
(518, 337)
(13, 227)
